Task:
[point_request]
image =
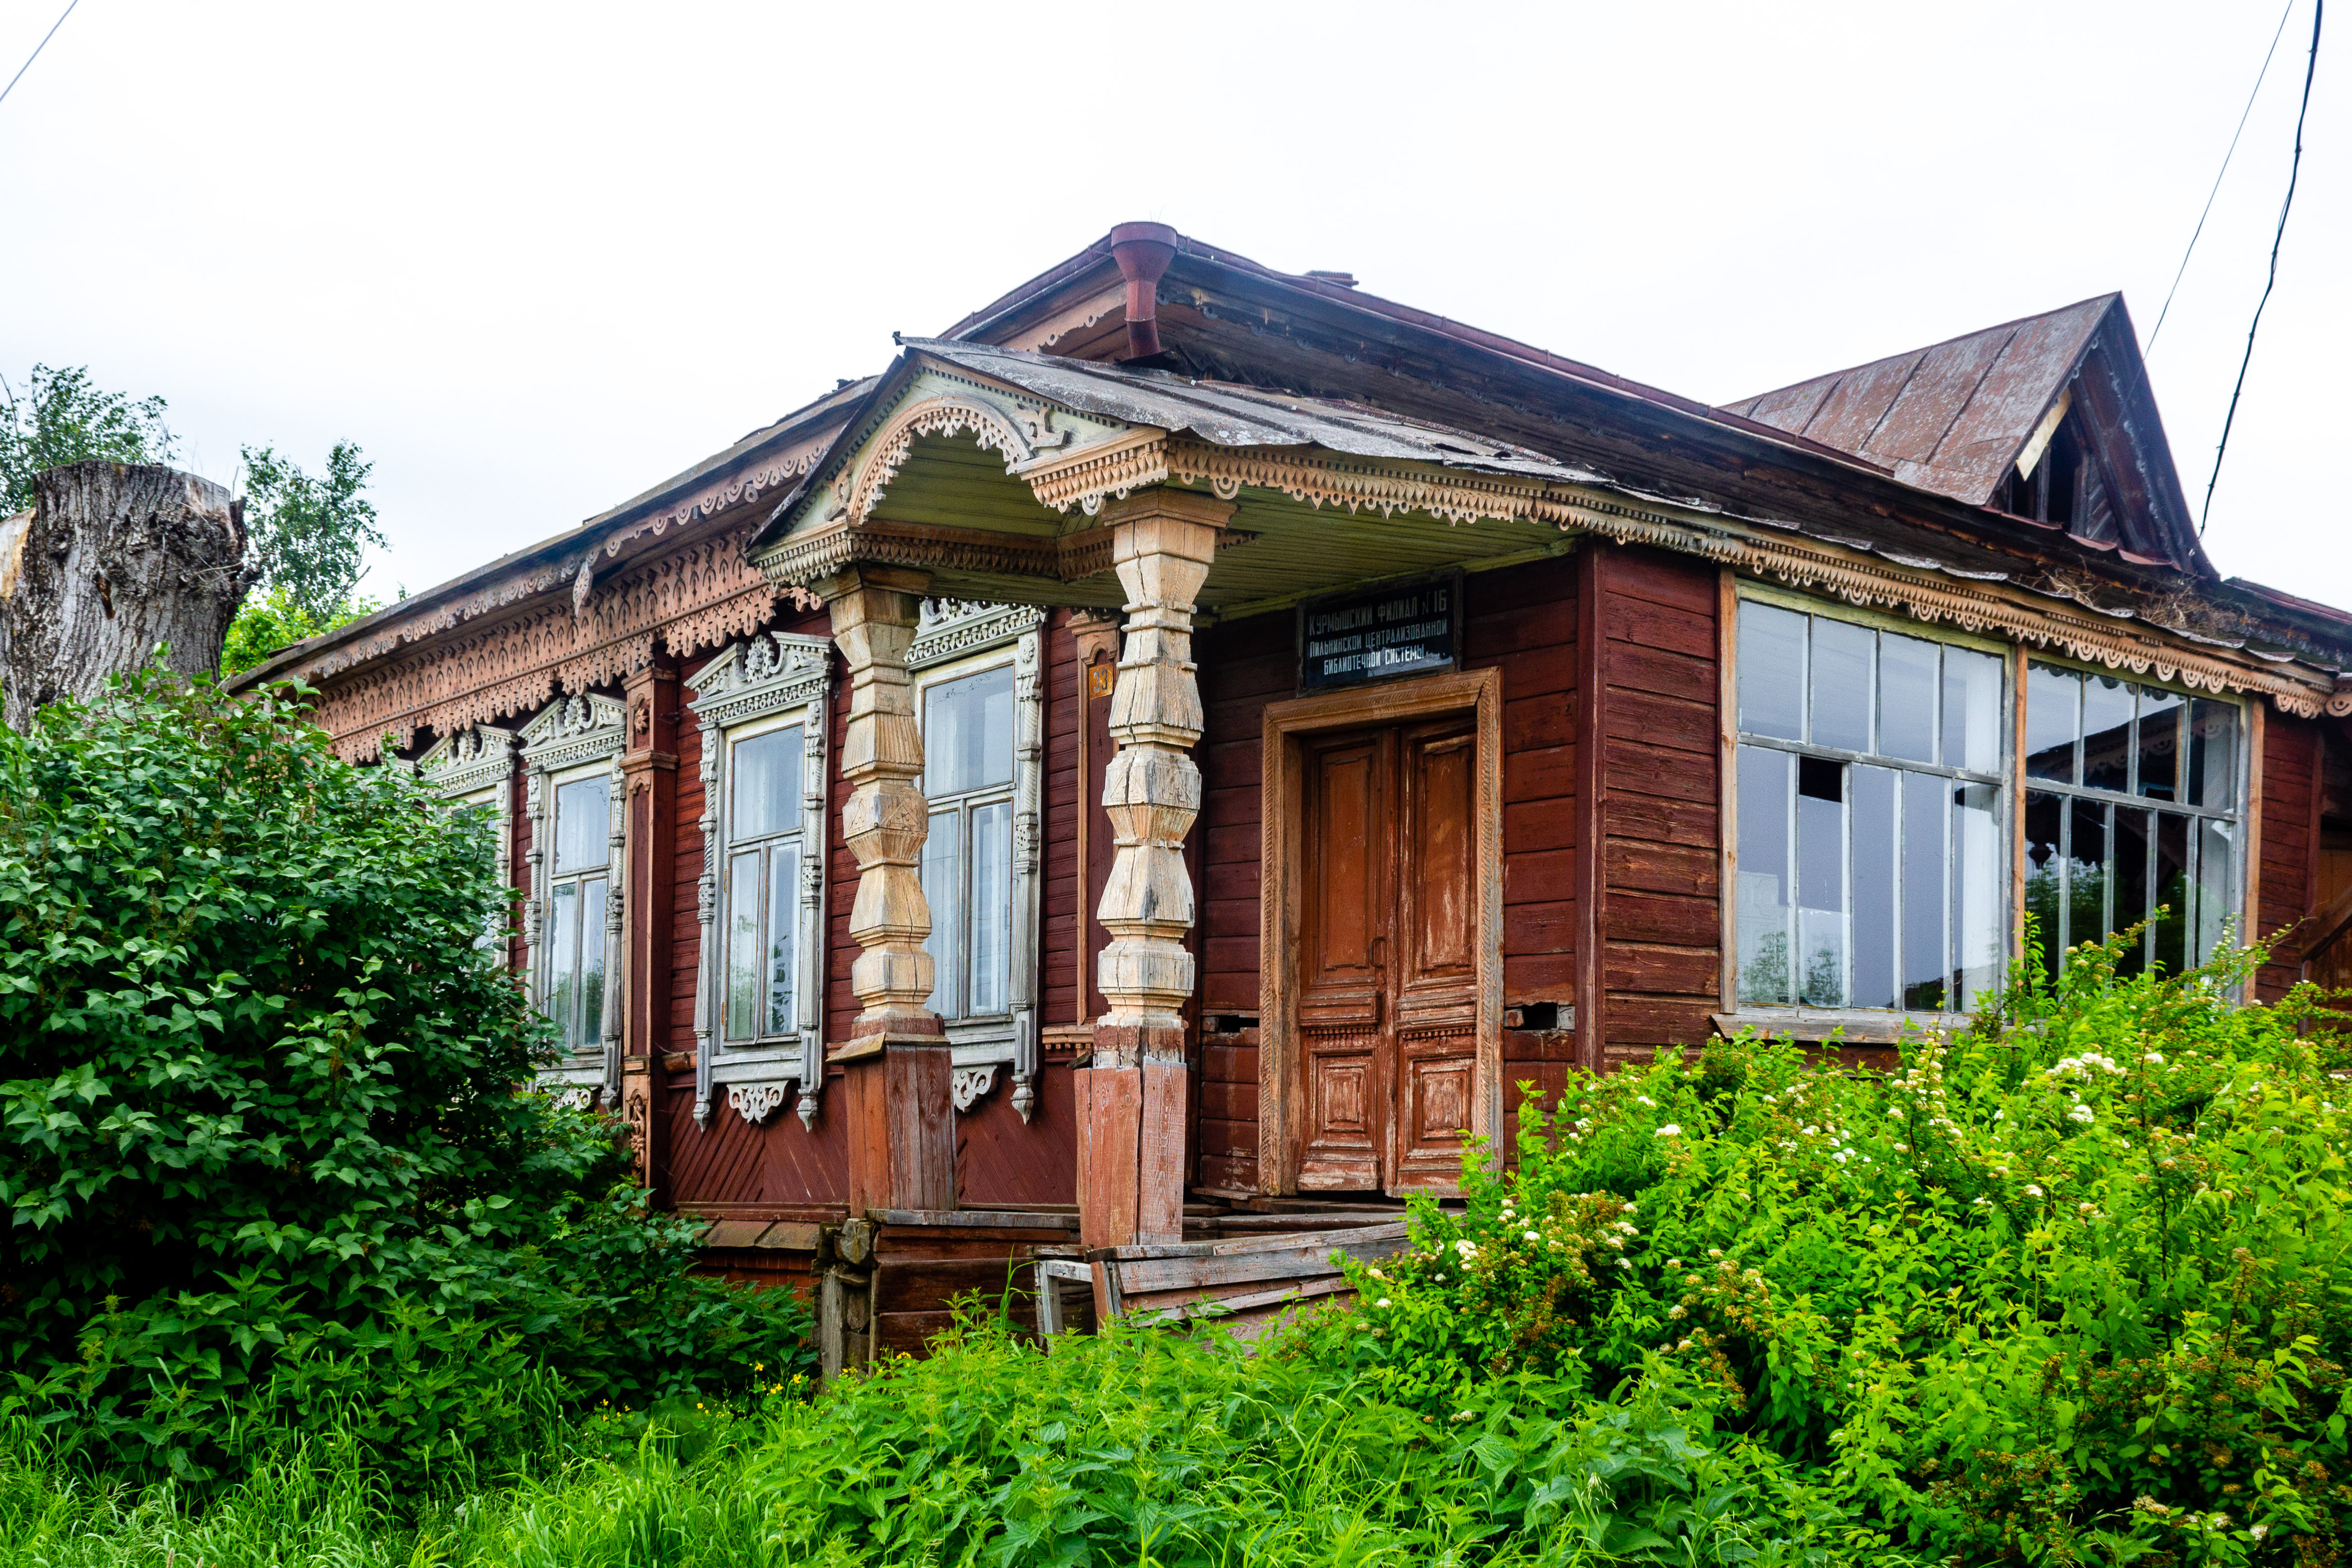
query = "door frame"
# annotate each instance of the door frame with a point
(1281, 1091)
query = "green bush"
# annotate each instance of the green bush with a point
(261, 1138)
(2076, 1282)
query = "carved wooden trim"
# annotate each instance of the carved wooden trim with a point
(695, 597)
(568, 733)
(1280, 1095)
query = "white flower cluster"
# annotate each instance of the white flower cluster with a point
(2085, 1066)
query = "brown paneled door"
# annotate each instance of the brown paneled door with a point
(1387, 986)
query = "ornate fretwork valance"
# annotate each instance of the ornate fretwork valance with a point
(695, 597)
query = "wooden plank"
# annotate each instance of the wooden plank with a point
(1676, 722)
(1210, 1305)
(964, 1218)
(1635, 668)
(1531, 827)
(1672, 971)
(1637, 866)
(1661, 918)
(1148, 1274)
(1662, 628)
(1663, 579)
(1634, 769)
(1660, 821)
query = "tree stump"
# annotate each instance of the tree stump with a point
(113, 559)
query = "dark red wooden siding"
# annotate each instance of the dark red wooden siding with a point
(1661, 928)
(2290, 785)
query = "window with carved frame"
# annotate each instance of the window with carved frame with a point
(573, 916)
(763, 707)
(979, 702)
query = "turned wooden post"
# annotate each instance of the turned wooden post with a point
(897, 1067)
(1133, 1099)
(112, 559)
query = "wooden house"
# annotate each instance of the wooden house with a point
(1166, 760)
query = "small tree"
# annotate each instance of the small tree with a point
(263, 1101)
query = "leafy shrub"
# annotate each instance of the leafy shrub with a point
(2080, 1274)
(261, 1133)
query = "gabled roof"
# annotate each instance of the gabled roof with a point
(1955, 416)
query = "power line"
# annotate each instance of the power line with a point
(2311, 68)
(2279, 32)
(35, 55)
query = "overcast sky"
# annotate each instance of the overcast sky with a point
(535, 259)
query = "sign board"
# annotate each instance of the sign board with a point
(1398, 629)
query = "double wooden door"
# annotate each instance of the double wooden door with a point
(1388, 985)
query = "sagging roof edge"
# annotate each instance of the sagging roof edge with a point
(578, 539)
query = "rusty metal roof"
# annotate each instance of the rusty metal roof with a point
(1953, 417)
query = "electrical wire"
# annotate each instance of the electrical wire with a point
(2276, 35)
(35, 55)
(2311, 68)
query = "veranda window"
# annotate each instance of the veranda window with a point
(577, 887)
(2133, 805)
(967, 858)
(765, 849)
(1870, 792)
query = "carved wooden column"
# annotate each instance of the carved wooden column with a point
(1133, 1099)
(649, 774)
(897, 1064)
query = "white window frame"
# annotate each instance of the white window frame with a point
(1858, 1024)
(771, 682)
(956, 638)
(572, 738)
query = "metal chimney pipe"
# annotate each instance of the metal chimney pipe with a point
(1143, 252)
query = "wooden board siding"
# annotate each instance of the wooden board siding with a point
(1658, 870)
(1002, 1163)
(1244, 666)
(1059, 1000)
(781, 1168)
(1523, 621)
(2290, 782)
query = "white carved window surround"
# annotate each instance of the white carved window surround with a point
(980, 701)
(573, 914)
(758, 1015)
(474, 771)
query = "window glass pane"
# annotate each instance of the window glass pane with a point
(1925, 871)
(592, 961)
(2213, 754)
(1766, 788)
(991, 907)
(766, 785)
(2130, 906)
(2106, 733)
(2160, 713)
(1876, 853)
(1771, 671)
(1820, 883)
(1972, 710)
(1842, 670)
(2216, 881)
(584, 824)
(1979, 901)
(783, 914)
(2087, 873)
(2053, 702)
(2172, 892)
(968, 733)
(743, 945)
(563, 959)
(943, 891)
(2045, 876)
(1906, 698)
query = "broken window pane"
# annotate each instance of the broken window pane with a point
(2106, 734)
(2160, 713)
(1972, 737)
(2045, 876)
(1820, 883)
